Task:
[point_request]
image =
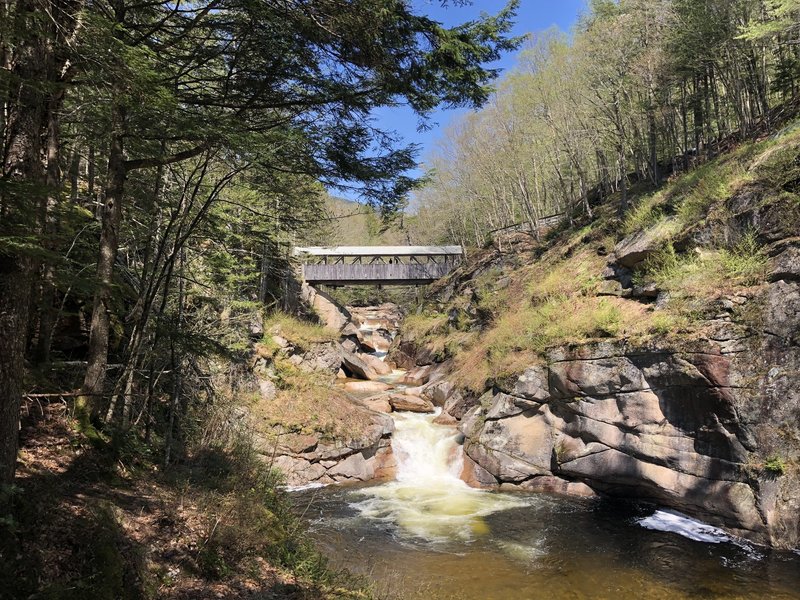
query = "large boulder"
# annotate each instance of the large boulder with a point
(410, 403)
(675, 426)
(417, 376)
(322, 358)
(786, 265)
(354, 365)
(379, 403)
(376, 364)
(329, 312)
(366, 387)
(639, 246)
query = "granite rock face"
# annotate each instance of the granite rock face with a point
(332, 315)
(690, 428)
(311, 458)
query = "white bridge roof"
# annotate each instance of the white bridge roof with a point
(379, 251)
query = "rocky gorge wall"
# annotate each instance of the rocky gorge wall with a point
(329, 421)
(707, 423)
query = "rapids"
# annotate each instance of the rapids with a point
(428, 500)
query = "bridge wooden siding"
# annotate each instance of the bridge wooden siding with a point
(377, 265)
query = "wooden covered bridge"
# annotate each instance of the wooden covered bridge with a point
(377, 265)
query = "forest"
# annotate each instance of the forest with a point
(161, 158)
(641, 91)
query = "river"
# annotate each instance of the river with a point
(427, 535)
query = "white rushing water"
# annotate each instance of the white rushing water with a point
(675, 522)
(429, 500)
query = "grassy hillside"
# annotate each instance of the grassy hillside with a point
(709, 235)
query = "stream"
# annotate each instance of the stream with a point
(427, 535)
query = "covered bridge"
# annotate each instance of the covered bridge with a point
(377, 265)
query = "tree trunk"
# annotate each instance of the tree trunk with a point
(95, 380)
(36, 70)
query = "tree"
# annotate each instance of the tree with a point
(35, 36)
(170, 106)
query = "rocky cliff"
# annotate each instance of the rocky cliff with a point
(678, 384)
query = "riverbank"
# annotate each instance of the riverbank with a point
(92, 517)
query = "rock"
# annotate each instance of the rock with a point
(476, 476)
(515, 448)
(257, 326)
(378, 403)
(351, 346)
(325, 357)
(782, 310)
(505, 405)
(417, 376)
(786, 265)
(402, 354)
(280, 342)
(384, 463)
(660, 424)
(533, 384)
(458, 404)
(549, 484)
(298, 471)
(445, 419)
(611, 287)
(350, 330)
(425, 356)
(354, 366)
(366, 386)
(296, 443)
(410, 403)
(733, 502)
(439, 392)
(662, 300)
(557, 485)
(330, 313)
(598, 377)
(377, 365)
(648, 290)
(355, 467)
(367, 342)
(267, 389)
(383, 339)
(638, 246)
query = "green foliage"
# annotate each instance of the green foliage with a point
(298, 332)
(638, 86)
(746, 262)
(775, 465)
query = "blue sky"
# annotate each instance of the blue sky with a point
(533, 15)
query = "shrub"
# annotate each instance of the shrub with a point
(746, 262)
(775, 465)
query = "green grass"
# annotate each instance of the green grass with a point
(746, 263)
(521, 336)
(775, 465)
(298, 332)
(645, 213)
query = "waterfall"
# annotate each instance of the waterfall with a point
(429, 500)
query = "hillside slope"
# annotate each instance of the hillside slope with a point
(654, 357)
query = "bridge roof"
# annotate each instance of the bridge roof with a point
(379, 251)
